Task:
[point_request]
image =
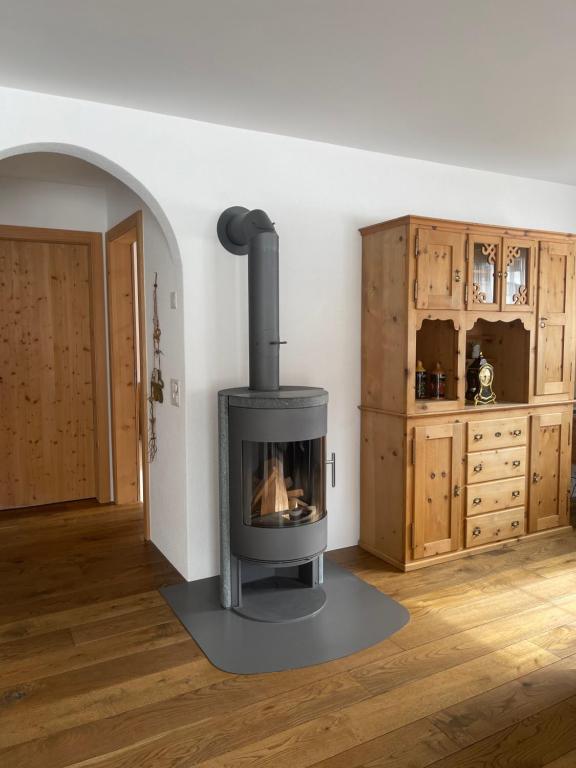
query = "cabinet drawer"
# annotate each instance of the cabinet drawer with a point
(496, 465)
(497, 433)
(495, 527)
(500, 494)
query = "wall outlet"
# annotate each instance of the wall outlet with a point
(173, 300)
(175, 392)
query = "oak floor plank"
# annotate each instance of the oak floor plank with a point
(322, 737)
(561, 641)
(416, 745)
(431, 623)
(96, 671)
(453, 650)
(75, 617)
(566, 761)
(484, 715)
(532, 743)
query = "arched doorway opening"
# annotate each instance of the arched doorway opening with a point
(57, 187)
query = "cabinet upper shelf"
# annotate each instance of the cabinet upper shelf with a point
(432, 286)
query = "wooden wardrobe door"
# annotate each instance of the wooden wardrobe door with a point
(47, 443)
(437, 489)
(555, 321)
(440, 274)
(549, 471)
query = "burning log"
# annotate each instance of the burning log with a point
(273, 495)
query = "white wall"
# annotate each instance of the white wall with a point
(31, 203)
(318, 195)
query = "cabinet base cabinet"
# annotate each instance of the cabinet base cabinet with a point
(424, 497)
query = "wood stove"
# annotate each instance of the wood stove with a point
(273, 523)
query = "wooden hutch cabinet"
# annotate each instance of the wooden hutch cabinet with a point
(441, 477)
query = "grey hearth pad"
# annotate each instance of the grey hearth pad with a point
(356, 616)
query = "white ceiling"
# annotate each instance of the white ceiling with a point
(480, 83)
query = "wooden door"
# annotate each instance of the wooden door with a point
(126, 325)
(518, 269)
(439, 269)
(437, 489)
(484, 255)
(549, 471)
(555, 309)
(51, 436)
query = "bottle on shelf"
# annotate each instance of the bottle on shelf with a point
(438, 383)
(421, 381)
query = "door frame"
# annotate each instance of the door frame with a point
(93, 242)
(132, 228)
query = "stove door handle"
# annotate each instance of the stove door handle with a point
(332, 462)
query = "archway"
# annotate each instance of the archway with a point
(160, 245)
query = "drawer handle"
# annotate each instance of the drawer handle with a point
(457, 275)
(478, 436)
(477, 531)
(516, 463)
(457, 490)
(536, 477)
(515, 494)
(477, 500)
(497, 434)
(478, 468)
(517, 432)
(515, 523)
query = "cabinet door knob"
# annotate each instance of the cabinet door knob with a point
(457, 490)
(515, 494)
(536, 477)
(478, 436)
(478, 468)
(516, 463)
(477, 501)
(543, 322)
(477, 531)
(457, 275)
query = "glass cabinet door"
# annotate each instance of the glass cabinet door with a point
(517, 275)
(483, 272)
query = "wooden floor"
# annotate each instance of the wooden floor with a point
(96, 671)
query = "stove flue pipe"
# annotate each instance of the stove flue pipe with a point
(242, 231)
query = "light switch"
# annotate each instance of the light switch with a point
(175, 392)
(173, 300)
